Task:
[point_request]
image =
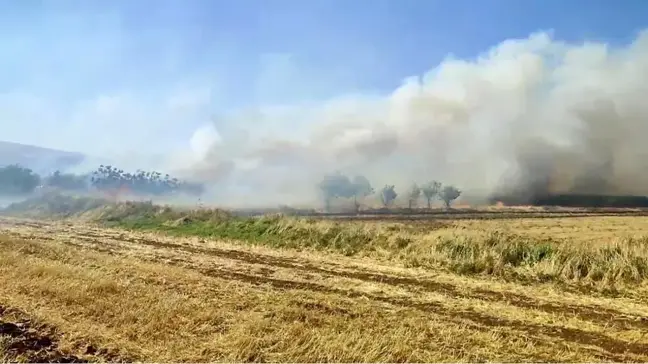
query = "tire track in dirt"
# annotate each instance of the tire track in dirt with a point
(596, 314)
(616, 349)
(589, 313)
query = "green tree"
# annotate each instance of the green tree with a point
(361, 189)
(67, 181)
(334, 186)
(388, 195)
(413, 194)
(449, 194)
(431, 190)
(17, 180)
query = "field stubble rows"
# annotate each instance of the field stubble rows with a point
(150, 297)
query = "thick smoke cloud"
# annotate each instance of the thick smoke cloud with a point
(527, 117)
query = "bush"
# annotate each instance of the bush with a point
(17, 180)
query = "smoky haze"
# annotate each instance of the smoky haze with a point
(527, 117)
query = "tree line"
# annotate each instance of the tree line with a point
(19, 180)
(339, 186)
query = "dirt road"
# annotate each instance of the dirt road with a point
(437, 314)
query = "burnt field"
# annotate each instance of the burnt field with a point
(470, 214)
(488, 213)
(550, 206)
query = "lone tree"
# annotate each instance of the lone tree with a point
(334, 186)
(338, 185)
(361, 189)
(449, 194)
(430, 191)
(388, 195)
(414, 194)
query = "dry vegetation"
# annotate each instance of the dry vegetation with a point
(141, 282)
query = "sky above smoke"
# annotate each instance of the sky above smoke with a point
(264, 98)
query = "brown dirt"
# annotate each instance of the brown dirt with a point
(26, 341)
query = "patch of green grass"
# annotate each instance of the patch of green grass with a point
(494, 254)
(519, 257)
(274, 231)
(624, 261)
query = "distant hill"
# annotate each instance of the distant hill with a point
(41, 160)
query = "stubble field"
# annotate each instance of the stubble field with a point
(162, 287)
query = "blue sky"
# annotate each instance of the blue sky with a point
(102, 76)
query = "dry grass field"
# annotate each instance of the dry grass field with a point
(102, 286)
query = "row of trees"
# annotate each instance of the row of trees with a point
(339, 186)
(141, 182)
(431, 191)
(19, 180)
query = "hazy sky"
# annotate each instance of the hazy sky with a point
(110, 77)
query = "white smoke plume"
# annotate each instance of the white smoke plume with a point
(527, 116)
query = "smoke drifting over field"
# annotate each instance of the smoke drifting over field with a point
(527, 117)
